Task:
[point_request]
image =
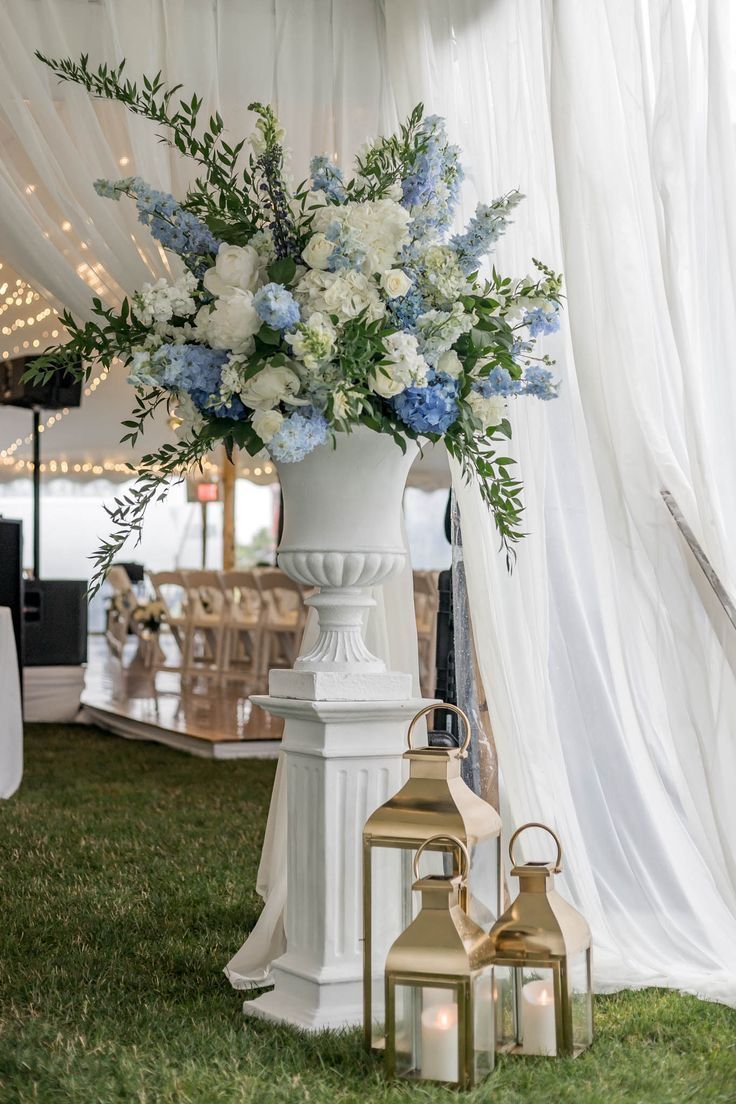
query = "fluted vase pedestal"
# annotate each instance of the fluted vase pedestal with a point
(346, 719)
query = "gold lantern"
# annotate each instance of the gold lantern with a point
(433, 805)
(542, 958)
(440, 1009)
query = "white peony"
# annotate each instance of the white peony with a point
(237, 266)
(266, 423)
(344, 294)
(318, 252)
(395, 283)
(272, 385)
(450, 364)
(488, 412)
(406, 366)
(230, 323)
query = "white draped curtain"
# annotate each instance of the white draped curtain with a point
(609, 687)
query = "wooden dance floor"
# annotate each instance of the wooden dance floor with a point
(203, 718)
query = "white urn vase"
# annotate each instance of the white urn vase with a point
(343, 534)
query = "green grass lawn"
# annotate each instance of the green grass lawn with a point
(127, 875)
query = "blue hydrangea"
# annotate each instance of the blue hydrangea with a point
(276, 306)
(405, 310)
(172, 226)
(483, 231)
(430, 409)
(541, 322)
(539, 383)
(431, 189)
(327, 177)
(499, 381)
(197, 370)
(298, 435)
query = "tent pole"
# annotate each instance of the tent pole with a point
(227, 474)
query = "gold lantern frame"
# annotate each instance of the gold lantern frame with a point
(442, 949)
(434, 804)
(542, 931)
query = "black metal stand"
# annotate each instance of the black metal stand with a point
(36, 493)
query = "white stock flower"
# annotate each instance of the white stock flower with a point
(318, 252)
(395, 283)
(156, 304)
(450, 364)
(230, 323)
(314, 341)
(190, 418)
(266, 423)
(488, 412)
(344, 294)
(272, 385)
(237, 266)
(406, 366)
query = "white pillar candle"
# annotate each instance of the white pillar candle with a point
(483, 1017)
(439, 1043)
(538, 1030)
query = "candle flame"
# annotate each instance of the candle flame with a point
(544, 997)
(443, 1020)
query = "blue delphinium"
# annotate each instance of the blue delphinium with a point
(499, 381)
(327, 177)
(197, 370)
(541, 322)
(430, 409)
(431, 189)
(539, 383)
(348, 251)
(298, 435)
(483, 231)
(172, 226)
(276, 306)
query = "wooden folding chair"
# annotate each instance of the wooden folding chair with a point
(170, 589)
(242, 632)
(283, 618)
(426, 606)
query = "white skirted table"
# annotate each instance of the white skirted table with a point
(11, 715)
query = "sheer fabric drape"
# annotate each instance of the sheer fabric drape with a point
(608, 686)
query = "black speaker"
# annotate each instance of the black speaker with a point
(60, 391)
(11, 577)
(55, 623)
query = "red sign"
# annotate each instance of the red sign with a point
(207, 492)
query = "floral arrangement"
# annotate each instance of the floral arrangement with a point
(300, 312)
(145, 615)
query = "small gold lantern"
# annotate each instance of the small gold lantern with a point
(433, 805)
(440, 1010)
(542, 958)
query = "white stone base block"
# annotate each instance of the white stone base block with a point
(343, 760)
(339, 686)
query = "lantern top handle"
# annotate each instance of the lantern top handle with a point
(452, 709)
(462, 849)
(545, 828)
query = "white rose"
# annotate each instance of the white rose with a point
(395, 283)
(318, 252)
(270, 386)
(237, 266)
(450, 364)
(266, 423)
(231, 323)
(339, 404)
(387, 382)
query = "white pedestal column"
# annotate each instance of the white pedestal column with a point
(343, 759)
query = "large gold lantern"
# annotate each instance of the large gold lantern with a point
(434, 804)
(542, 958)
(440, 1023)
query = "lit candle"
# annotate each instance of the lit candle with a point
(538, 1031)
(439, 1043)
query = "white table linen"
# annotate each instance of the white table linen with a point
(11, 715)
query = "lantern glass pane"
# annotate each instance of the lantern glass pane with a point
(537, 1018)
(507, 1032)
(391, 914)
(581, 999)
(483, 903)
(427, 1033)
(484, 1024)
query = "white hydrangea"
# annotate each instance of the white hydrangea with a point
(488, 412)
(406, 366)
(379, 225)
(313, 343)
(191, 419)
(345, 294)
(157, 304)
(442, 280)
